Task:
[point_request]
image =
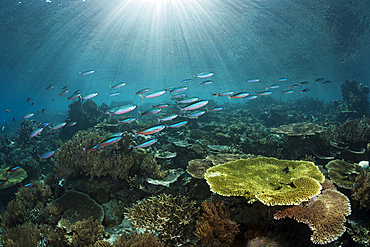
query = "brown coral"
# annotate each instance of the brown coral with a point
(144, 239)
(298, 129)
(25, 235)
(361, 191)
(166, 214)
(87, 232)
(342, 173)
(73, 158)
(325, 216)
(215, 227)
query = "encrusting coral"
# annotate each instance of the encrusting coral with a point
(165, 214)
(269, 180)
(361, 190)
(73, 157)
(325, 215)
(215, 227)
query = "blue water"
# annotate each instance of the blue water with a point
(156, 44)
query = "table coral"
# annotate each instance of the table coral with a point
(272, 181)
(73, 159)
(325, 216)
(361, 190)
(342, 173)
(215, 227)
(298, 129)
(12, 177)
(165, 214)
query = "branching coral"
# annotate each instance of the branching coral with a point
(215, 227)
(87, 232)
(165, 214)
(25, 235)
(150, 165)
(325, 216)
(361, 191)
(72, 157)
(144, 239)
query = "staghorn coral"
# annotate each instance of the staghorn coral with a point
(54, 236)
(298, 129)
(165, 214)
(87, 232)
(144, 239)
(325, 216)
(342, 173)
(269, 180)
(361, 190)
(215, 227)
(73, 159)
(25, 235)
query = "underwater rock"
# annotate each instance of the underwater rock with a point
(171, 177)
(78, 206)
(269, 180)
(298, 129)
(12, 177)
(342, 173)
(161, 154)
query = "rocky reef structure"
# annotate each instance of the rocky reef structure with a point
(298, 129)
(164, 214)
(215, 228)
(268, 180)
(361, 190)
(355, 98)
(73, 158)
(325, 215)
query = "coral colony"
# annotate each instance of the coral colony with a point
(190, 171)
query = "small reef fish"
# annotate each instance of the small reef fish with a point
(113, 94)
(194, 105)
(305, 90)
(36, 132)
(90, 95)
(150, 130)
(70, 124)
(250, 97)
(282, 79)
(150, 112)
(207, 82)
(196, 114)
(239, 95)
(46, 155)
(289, 91)
(161, 106)
(49, 87)
(29, 99)
(186, 80)
(177, 89)
(74, 96)
(7, 110)
(87, 72)
(123, 109)
(77, 91)
(65, 87)
(144, 90)
(58, 126)
(114, 135)
(27, 185)
(178, 95)
(13, 169)
(152, 94)
(223, 93)
(273, 86)
(43, 110)
(187, 100)
(65, 91)
(304, 83)
(204, 75)
(252, 80)
(109, 141)
(264, 93)
(93, 148)
(319, 80)
(168, 118)
(178, 124)
(216, 108)
(296, 86)
(33, 122)
(127, 120)
(326, 82)
(32, 104)
(118, 85)
(44, 124)
(3, 181)
(28, 115)
(145, 144)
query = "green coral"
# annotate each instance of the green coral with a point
(269, 180)
(12, 177)
(342, 173)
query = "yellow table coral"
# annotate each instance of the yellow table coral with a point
(269, 180)
(12, 177)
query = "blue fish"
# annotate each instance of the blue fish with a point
(177, 124)
(326, 82)
(145, 144)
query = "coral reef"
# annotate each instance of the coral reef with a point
(298, 129)
(215, 227)
(342, 173)
(25, 235)
(151, 167)
(289, 182)
(361, 190)
(165, 214)
(171, 176)
(86, 232)
(360, 233)
(12, 177)
(78, 206)
(144, 239)
(73, 159)
(198, 167)
(325, 215)
(355, 97)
